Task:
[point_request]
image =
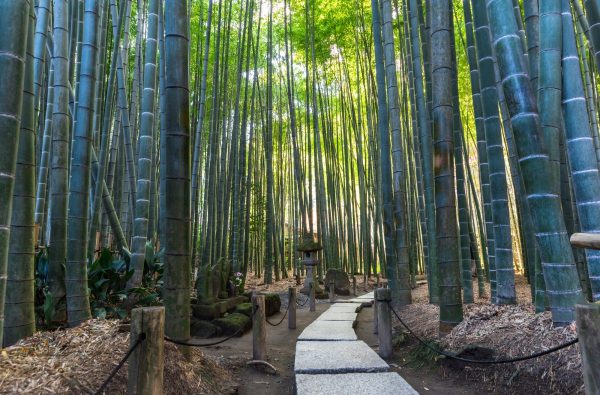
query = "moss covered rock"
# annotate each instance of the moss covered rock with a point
(244, 308)
(232, 323)
(309, 244)
(203, 329)
(272, 304)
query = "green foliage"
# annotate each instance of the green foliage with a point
(46, 305)
(107, 279)
(422, 356)
(107, 286)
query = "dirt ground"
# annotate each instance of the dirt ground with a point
(281, 350)
(76, 360)
(558, 373)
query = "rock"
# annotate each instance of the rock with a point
(272, 304)
(217, 309)
(471, 351)
(244, 308)
(341, 280)
(206, 311)
(232, 323)
(203, 329)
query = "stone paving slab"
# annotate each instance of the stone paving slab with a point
(315, 357)
(363, 302)
(335, 316)
(329, 330)
(370, 295)
(345, 307)
(353, 383)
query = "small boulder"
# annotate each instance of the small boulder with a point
(244, 308)
(203, 329)
(206, 311)
(272, 304)
(232, 323)
(471, 351)
(340, 279)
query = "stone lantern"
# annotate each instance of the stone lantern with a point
(309, 250)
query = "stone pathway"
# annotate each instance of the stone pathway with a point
(331, 360)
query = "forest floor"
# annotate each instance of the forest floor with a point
(77, 360)
(510, 331)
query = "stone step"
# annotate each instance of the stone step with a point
(363, 302)
(346, 307)
(337, 316)
(317, 357)
(352, 384)
(329, 330)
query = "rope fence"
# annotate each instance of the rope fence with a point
(483, 361)
(114, 372)
(282, 318)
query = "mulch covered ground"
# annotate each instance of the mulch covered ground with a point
(510, 331)
(77, 360)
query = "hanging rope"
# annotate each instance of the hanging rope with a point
(282, 318)
(112, 374)
(182, 343)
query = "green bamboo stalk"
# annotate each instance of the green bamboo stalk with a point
(582, 158)
(61, 136)
(19, 306)
(502, 272)
(445, 199)
(555, 250)
(146, 144)
(78, 307)
(176, 216)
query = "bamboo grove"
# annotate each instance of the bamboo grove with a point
(458, 140)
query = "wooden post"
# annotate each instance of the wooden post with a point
(378, 280)
(331, 292)
(588, 330)
(292, 308)
(354, 285)
(375, 318)
(146, 362)
(259, 330)
(384, 319)
(312, 304)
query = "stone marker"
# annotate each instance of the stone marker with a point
(340, 280)
(329, 330)
(350, 357)
(312, 303)
(332, 292)
(353, 383)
